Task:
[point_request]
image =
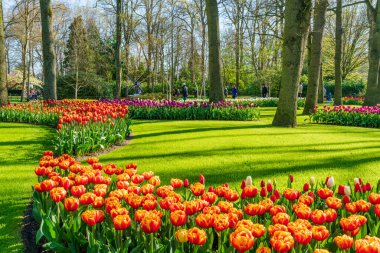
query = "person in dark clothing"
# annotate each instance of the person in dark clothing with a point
(185, 92)
(264, 90)
(177, 93)
(234, 92)
(226, 92)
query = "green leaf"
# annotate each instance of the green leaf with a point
(56, 247)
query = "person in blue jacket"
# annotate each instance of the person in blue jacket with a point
(185, 92)
(234, 92)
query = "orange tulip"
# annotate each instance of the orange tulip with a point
(306, 199)
(92, 217)
(197, 189)
(149, 204)
(242, 239)
(231, 195)
(71, 204)
(196, 236)
(291, 194)
(334, 203)
(324, 193)
(363, 206)
(377, 210)
(204, 220)
(258, 230)
(254, 209)
(302, 211)
(221, 222)
(140, 214)
(263, 249)
(344, 242)
(277, 227)
(282, 241)
(318, 217)
(98, 202)
(303, 236)
(87, 198)
(374, 198)
(81, 180)
(78, 190)
(178, 218)
(191, 207)
(367, 245)
(118, 211)
(58, 194)
(225, 206)
(281, 218)
(181, 235)
(210, 197)
(151, 223)
(277, 209)
(351, 207)
(122, 222)
(176, 183)
(47, 185)
(320, 233)
(155, 181)
(137, 179)
(331, 215)
(250, 191)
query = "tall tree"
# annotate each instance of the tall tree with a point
(372, 96)
(315, 55)
(214, 55)
(297, 24)
(3, 63)
(118, 49)
(49, 63)
(79, 56)
(338, 53)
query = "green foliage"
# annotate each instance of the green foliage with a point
(84, 139)
(92, 86)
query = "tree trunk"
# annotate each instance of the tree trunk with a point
(118, 50)
(297, 24)
(3, 63)
(321, 87)
(237, 53)
(315, 55)
(338, 54)
(49, 64)
(373, 59)
(214, 61)
(24, 94)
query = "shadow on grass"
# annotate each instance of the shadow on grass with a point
(20, 151)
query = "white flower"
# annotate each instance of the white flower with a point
(248, 181)
(347, 190)
(269, 181)
(312, 181)
(330, 182)
(356, 180)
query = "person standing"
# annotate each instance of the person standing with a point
(300, 90)
(185, 92)
(264, 90)
(234, 92)
(226, 92)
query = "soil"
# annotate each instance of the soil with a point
(30, 226)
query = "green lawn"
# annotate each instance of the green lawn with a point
(21, 146)
(222, 151)
(229, 151)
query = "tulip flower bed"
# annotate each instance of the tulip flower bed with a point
(82, 127)
(97, 207)
(348, 116)
(192, 110)
(353, 100)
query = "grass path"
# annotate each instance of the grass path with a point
(222, 151)
(21, 146)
